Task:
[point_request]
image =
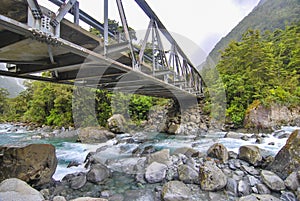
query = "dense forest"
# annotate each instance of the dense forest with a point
(268, 15)
(51, 104)
(262, 68)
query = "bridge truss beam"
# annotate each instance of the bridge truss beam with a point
(67, 50)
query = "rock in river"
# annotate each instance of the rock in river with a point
(34, 164)
(94, 135)
(288, 158)
(251, 154)
(155, 172)
(218, 151)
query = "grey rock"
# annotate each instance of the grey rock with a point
(251, 154)
(155, 172)
(292, 181)
(117, 124)
(219, 196)
(218, 151)
(288, 196)
(250, 170)
(94, 135)
(188, 175)
(233, 135)
(78, 181)
(98, 173)
(253, 181)
(244, 187)
(263, 189)
(34, 163)
(174, 128)
(162, 156)
(287, 159)
(245, 138)
(189, 152)
(139, 195)
(17, 190)
(211, 177)
(175, 191)
(238, 175)
(273, 181)
(232, 186)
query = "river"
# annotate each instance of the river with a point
(68, 150)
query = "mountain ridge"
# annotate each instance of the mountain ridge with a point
(267, 15)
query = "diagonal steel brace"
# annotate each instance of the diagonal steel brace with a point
(62, 11)
(35, 9)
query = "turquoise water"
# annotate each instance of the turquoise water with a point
(67, 150)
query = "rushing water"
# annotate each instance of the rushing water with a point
(67, 150)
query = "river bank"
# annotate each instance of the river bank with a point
(121, 169)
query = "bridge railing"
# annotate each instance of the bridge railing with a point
(172, 66)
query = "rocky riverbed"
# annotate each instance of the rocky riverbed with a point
(156, 166)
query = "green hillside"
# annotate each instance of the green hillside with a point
(268, 15)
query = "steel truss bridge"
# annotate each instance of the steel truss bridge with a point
(34, 39)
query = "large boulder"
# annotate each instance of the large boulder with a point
(162, 156)
(98, 173)
(94, 135)
(155, 172)
(117, 124)
(34, 164)
(14, 189)
(233, 135)
(175, 191)
(75, 180)
(287, 159)
(273, 181)
(250, 154)
(211, 177)
(266, 118)
(218, 151)
(187, 174)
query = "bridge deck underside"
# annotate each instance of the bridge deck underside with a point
(75, 57)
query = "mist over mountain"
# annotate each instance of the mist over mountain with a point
(13, 85)
(267, 15)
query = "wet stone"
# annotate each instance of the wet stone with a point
(288, 196)
(250, 170)
(263, 189)
(244, 187)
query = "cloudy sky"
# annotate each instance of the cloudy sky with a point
(204, 22)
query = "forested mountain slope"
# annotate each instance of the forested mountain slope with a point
(268, 15)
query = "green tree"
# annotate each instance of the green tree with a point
(261, 67)
(3, 103)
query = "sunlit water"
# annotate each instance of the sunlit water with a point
(68, 150)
